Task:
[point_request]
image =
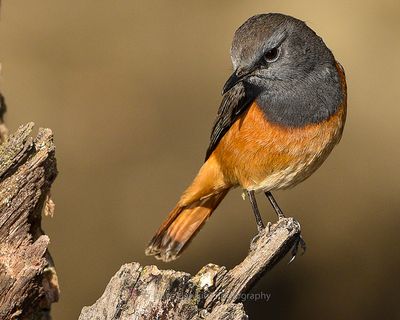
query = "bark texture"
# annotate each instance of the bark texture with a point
(137, 292)
(28, 281)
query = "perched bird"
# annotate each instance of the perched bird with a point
(283, 110)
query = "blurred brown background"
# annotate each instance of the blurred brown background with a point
(131, 88)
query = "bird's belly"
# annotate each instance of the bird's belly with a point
(286, 177)
(258, 155)
(280, 180)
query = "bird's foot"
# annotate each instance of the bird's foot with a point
(281, 216)
(299, 242)
(261, 230)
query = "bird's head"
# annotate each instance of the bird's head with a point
(283, 58)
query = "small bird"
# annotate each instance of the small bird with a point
(282, 112)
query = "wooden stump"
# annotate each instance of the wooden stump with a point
(28, 281)
(137, 292)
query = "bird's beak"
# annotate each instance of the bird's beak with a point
(230, 83)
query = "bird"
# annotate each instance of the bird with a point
(283, 110)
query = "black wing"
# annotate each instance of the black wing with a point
(233, 104)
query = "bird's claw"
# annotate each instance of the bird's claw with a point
(299, 242)
(265, 229)
(268, 227)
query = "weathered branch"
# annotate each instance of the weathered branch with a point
(137, 292)
(28, 282)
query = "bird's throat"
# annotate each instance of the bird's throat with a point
(304, 102)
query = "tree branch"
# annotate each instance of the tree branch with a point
(28, 282)
(137, 292)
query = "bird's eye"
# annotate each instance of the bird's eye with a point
(272, 55)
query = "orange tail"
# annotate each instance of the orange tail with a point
(186, 219)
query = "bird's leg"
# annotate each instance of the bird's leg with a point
(253, 202)
(300, 241)
(274, 204)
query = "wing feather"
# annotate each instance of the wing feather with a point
(233, 104)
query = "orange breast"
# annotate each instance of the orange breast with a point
(257, 154)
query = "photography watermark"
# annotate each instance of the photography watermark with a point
(249, 297)
(242, 297)
(254, 297)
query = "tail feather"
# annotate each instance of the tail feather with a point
(181, 226)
